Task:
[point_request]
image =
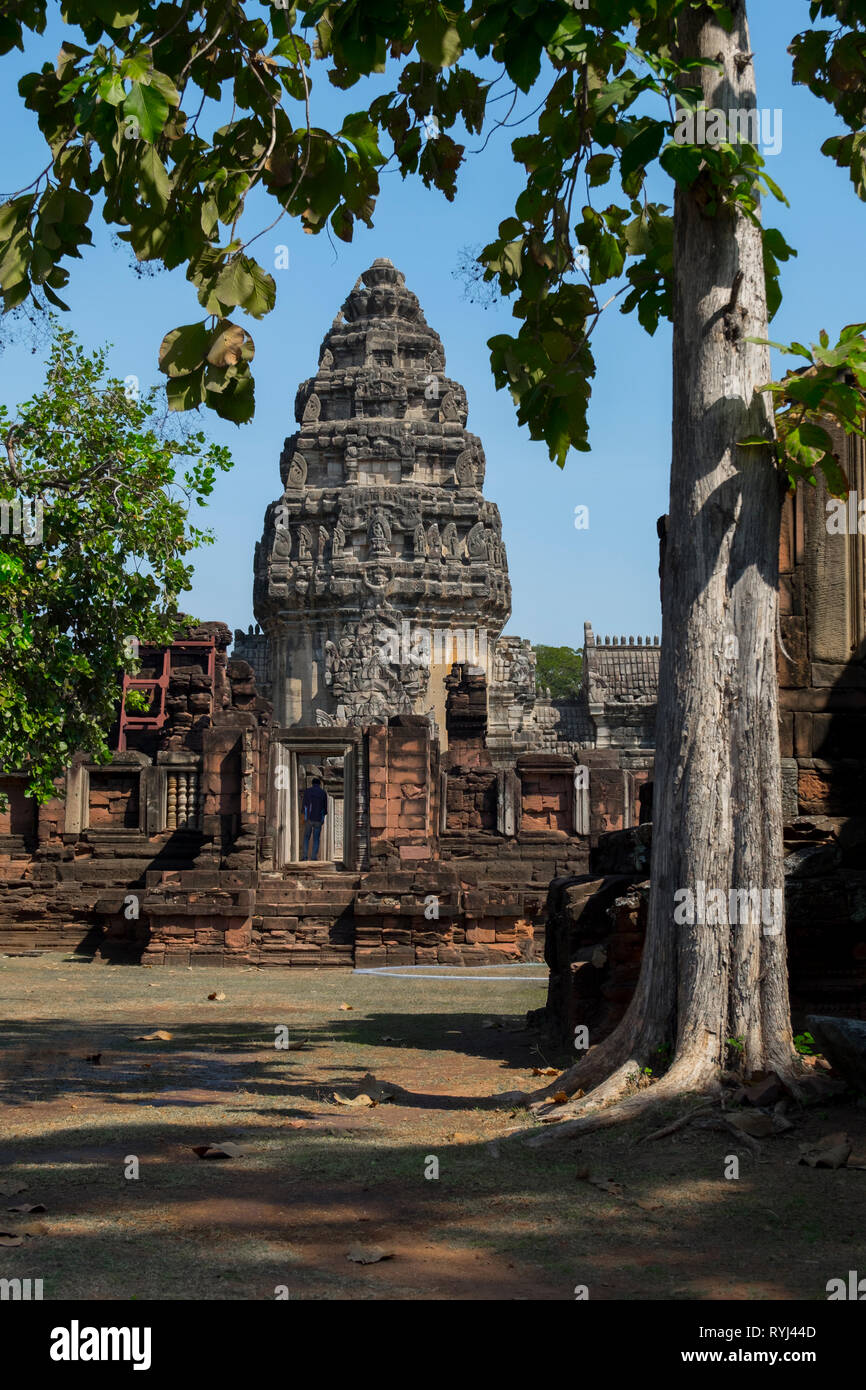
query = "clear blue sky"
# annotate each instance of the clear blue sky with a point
(560, 576)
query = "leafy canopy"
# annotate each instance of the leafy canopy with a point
(94, 556)
(559, 670)
(123, 120)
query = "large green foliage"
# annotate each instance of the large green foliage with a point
(105, 564)
(127, 118)
(559, 670)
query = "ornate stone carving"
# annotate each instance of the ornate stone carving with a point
(367, 677)
(448, 409)
(451, 542)
(381, 467)
(282, 546)
(297, 474)
(465, 469)
(379, 534)
(476, 542)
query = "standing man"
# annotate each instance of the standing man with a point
(315, 807)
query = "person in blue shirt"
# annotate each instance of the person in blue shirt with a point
(315, 808)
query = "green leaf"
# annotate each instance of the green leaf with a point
(185, 392)
(111, 89)
(599, 167)
(116, 16)
(14, 214)
(359, 130)
(53, 298)
(209, 216)
(184, 349)
(234, 285)
(164, 85)
(238, 403)
(149, 109)
(815, 436)
(154, 177)
(643, 149)
(264, 293)
(137, 67)
(438, 40)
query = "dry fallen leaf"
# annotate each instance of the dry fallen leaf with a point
(28, 1208)
(344, 1007)
(560, 1098)
(216, 996)
(7, 1238)
(357, 1103)
(368, 1254)
(159, 1036)
(297, 1047)
(11, 1188)
(224, 1148)
(544, 1071)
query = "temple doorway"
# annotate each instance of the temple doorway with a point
(328, 771)
(299, 757)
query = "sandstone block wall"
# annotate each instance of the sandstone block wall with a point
(596, 926)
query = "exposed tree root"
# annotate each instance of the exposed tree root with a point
(678, 1124)
(614, 1103)
(593, 1070)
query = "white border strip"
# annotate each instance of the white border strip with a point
(402, 972)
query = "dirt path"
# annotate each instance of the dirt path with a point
(318, 1179)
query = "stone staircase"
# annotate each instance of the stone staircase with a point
(304, 916)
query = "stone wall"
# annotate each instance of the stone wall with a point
(822, 666)
(596, 926)
(168, 854)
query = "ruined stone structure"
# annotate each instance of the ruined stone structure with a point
(382, 561)
(822, 658)
(457, 791)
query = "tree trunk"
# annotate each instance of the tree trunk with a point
(717, 809)
(718, 778)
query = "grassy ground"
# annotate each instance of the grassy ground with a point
(318, 1179)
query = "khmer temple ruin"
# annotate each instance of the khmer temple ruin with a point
(469, 812)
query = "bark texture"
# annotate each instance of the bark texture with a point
(717, 798)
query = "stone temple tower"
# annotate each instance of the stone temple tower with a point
(382, 563)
